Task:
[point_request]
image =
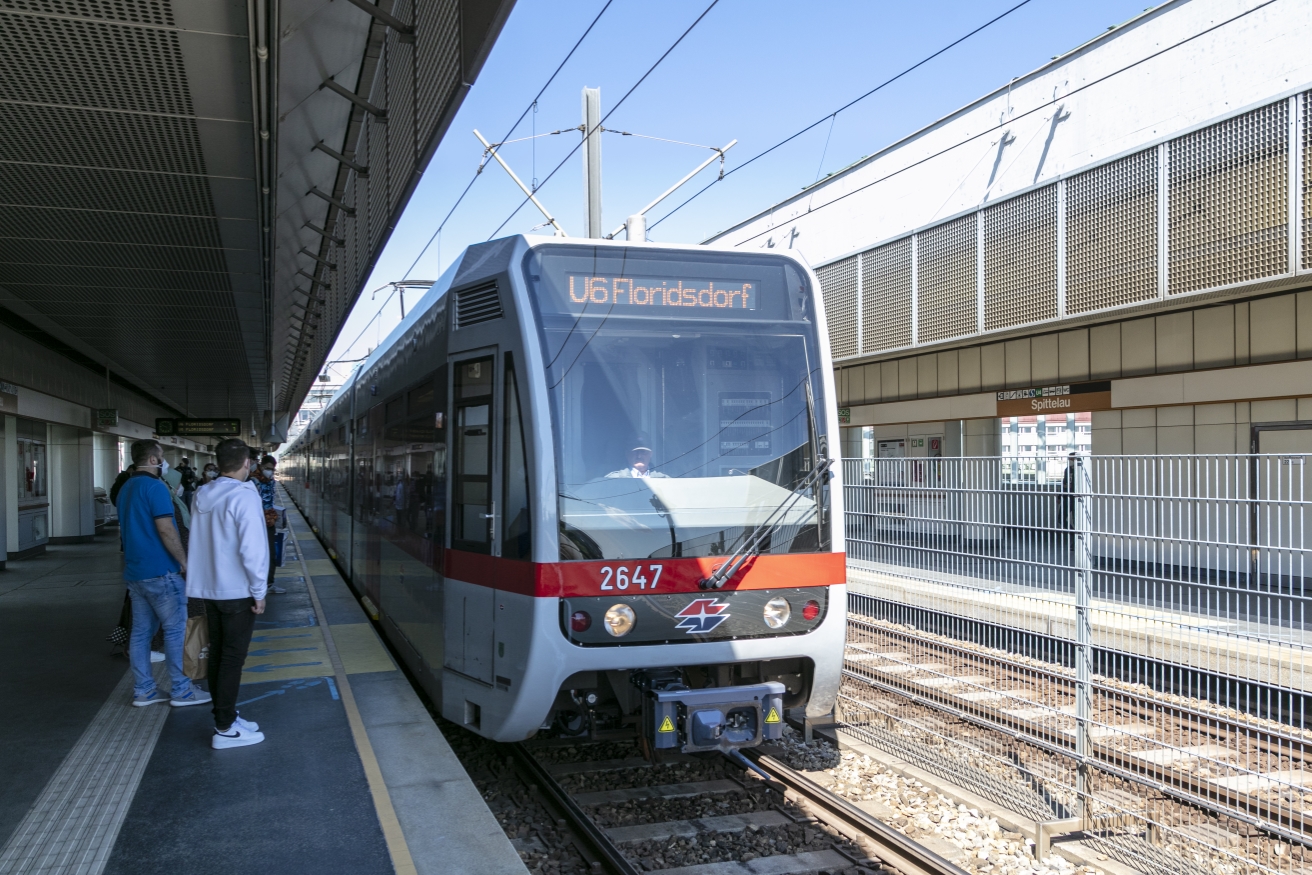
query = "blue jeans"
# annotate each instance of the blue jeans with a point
(159, 601)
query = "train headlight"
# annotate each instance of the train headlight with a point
(620, 620)
(810, 610)
(580, 621)
(777, 612)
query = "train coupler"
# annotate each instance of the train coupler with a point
(714, 718)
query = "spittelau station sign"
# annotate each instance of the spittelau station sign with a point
(198, 427)
(1049, 400)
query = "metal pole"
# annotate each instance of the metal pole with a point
(560, 232)
(1083, 560)
(719, 153)
(592, 159)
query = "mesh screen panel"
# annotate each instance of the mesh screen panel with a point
(1229, 206)
(947, 280)
(1111, 234)
(1307, 180)
(838, 287)
(1020, 259)
(378, 184)
(886, 296)
(437, 40)
(399, 71)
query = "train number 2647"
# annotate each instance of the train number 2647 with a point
(613, 577)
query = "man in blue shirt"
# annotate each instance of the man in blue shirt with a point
(154, 562)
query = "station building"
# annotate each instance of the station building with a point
(1126, 231)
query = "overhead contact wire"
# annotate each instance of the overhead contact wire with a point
(522, 116)
(613, 109)
(851, 103)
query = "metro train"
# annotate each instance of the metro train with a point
(586, 488)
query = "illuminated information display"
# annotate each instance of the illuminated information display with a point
(628, 294)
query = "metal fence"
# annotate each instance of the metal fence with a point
(1116, 644)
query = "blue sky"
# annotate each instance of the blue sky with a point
(752, 70)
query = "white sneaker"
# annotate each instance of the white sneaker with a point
(234, 737)
(248, 725)
(156, 656)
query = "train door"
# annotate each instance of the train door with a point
(474, 518)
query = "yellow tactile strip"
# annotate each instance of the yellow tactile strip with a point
(360, 649)
(286, 654)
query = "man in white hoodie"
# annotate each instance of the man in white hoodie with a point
(226, 567)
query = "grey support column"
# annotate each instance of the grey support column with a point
(72, 484)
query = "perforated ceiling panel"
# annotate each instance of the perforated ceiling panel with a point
(159, 180)
(1020, 259)
(1229, 202)
(947, 280)
(838, 287)
(886, 297)
(1111, 234)
(109, 231)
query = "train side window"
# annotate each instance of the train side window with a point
(517, 537)
(395, 410)
(473, 515)
(421, 399)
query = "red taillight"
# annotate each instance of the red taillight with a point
(810, 610)
(579, 621)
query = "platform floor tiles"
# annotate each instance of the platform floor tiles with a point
(354, 775)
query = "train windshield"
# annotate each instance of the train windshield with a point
(686, 398)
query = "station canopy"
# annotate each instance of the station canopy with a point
(194, 190)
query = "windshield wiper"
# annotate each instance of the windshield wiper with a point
(752, 546)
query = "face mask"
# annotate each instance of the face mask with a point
(268, 471)
(163, 467)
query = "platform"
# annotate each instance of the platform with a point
(354, 776)
(1268, 655)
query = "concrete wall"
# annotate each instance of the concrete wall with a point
(1203, 429)
(1269, 329)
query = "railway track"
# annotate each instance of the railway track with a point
(1222, 778)
(775, 820)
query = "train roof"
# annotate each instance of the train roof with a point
(438, 290)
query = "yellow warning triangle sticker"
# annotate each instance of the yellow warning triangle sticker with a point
(667, 725)
(773, 716)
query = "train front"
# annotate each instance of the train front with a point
(698, 590)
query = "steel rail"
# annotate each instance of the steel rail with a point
(1184, 789)
(609, 855)
(894, 849)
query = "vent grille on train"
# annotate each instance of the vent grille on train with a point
(477, 304)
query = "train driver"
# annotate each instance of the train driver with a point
(639, 459)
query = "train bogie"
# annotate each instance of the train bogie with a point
(587, 487)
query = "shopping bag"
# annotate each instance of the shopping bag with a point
(196, 648)
(279, 539)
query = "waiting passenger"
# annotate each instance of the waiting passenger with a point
(229, 561)
(639, 459)
(188, 475)
(262, 477)
(154, 562)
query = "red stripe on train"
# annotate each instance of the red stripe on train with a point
(566, 579)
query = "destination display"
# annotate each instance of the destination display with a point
(198, 427)
(628, 294)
